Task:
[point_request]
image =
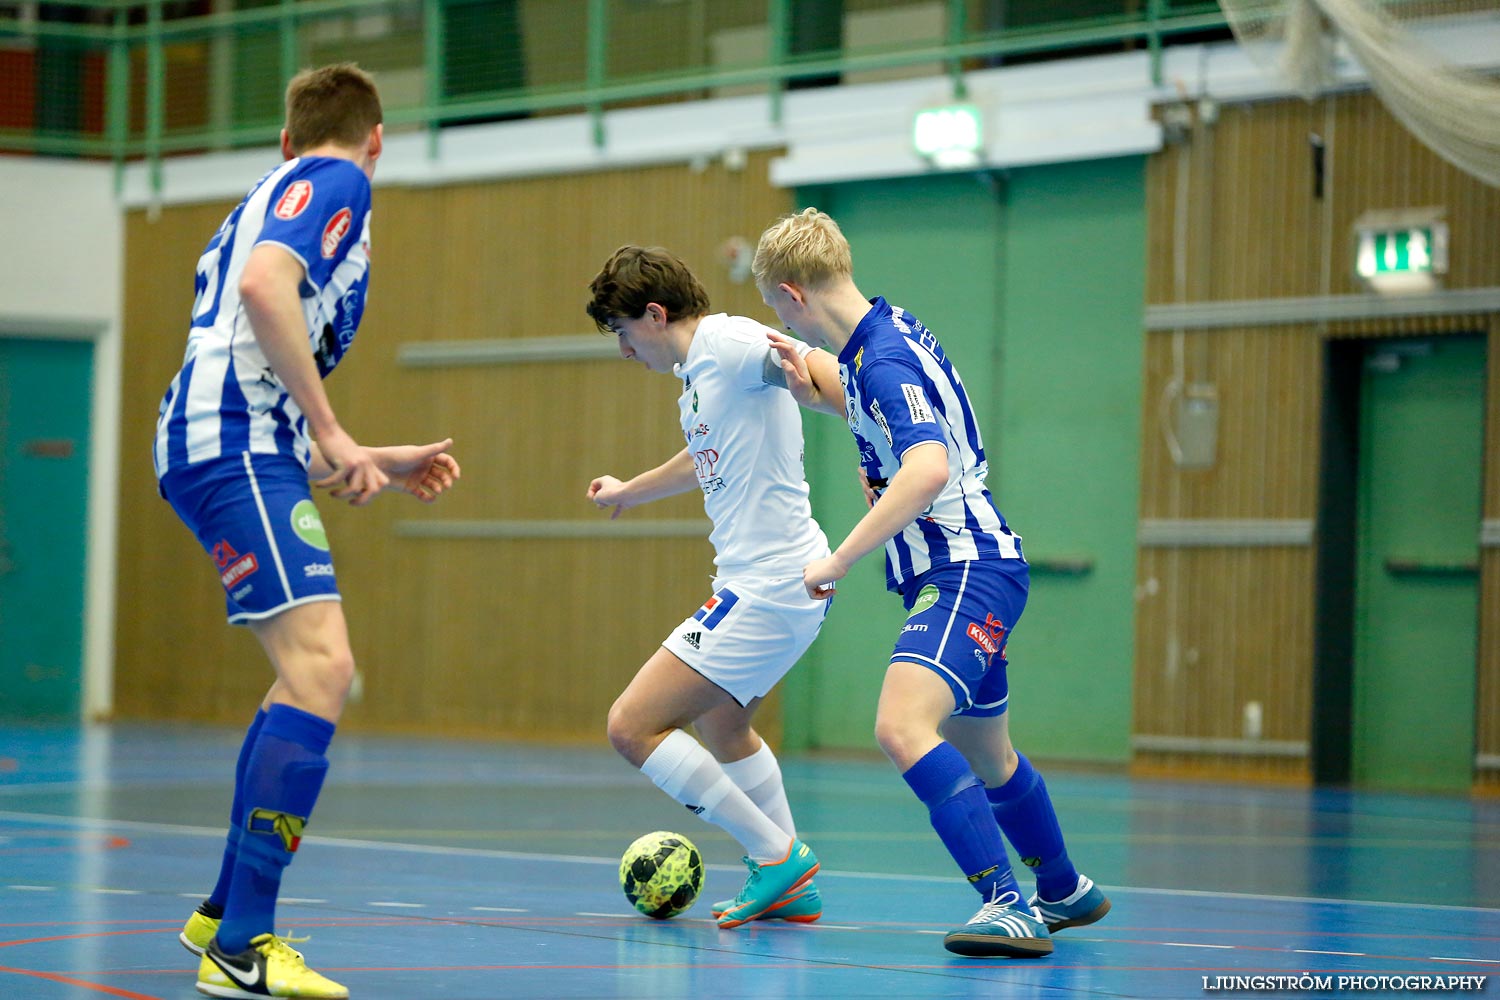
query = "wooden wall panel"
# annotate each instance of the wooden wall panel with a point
(1233, 214)
(1218, 628)
(516, 637)
(1268, 387)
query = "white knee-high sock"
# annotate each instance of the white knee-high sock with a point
(759, 777)
(687, 772)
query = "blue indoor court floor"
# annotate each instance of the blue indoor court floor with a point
(473, 871)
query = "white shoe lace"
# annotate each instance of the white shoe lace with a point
(989, 911)
(992, 910)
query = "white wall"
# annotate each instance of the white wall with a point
(60, 255)
(61, 266)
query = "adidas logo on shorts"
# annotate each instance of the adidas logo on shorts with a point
(692, 639)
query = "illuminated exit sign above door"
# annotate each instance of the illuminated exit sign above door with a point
(1403, 251)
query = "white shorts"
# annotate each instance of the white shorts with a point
(748, 634)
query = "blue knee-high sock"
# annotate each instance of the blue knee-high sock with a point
(1024, 811)
(236, 816)
(956, 805)
(282, 779)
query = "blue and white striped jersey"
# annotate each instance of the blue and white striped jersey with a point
(900, 390)
(226, 399)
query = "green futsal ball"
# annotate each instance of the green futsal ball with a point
(661, 874)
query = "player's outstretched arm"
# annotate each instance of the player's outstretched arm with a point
(423, 470)
(426, 471)
(922, 476)
(269, 291)
(813, 378)
(676, 475)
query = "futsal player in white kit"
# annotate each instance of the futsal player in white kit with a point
(743, 435)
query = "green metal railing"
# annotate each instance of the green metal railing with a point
(130, 81)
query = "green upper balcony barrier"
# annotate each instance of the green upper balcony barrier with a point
(129, 80)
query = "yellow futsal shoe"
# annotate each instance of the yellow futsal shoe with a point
(200, 928)
(268, 968)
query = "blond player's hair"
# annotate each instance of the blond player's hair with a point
(805, 248)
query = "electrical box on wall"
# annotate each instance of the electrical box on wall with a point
(1195, 425)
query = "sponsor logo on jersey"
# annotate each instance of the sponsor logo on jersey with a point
(990, 636)
(716, 607)
(916, 402)
(308, 525)
(885, 428)
(238, 570)
(859, 359)
(239, 595)
(700, 430)
(283, 825)
(704, 461)
(293, 200)
(348, 316)
(926, 598)
(692, 639)
(317, 569)
(223, 552)
(695, 810)
(982, 638)
(335, 231)
(914, 627)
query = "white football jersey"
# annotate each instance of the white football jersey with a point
(745, 436)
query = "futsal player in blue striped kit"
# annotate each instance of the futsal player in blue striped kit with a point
(242, 428)
(942, 717)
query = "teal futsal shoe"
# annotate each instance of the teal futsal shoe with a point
(1086, 905)
(802, 905)
(768, 883)
(1003, 928)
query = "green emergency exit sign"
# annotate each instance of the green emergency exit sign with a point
(1402, 257)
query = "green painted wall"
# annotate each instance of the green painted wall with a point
(44, 459)
(1034, 284)
(1066, 464)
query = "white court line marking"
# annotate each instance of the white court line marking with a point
(1442, 958)
(585, 913)
(31, 888)
(117, 892)
(932, 932)
(407, 906)
(476, 852)
(499, 909)
(298, 899)
(1314, 951)
(1180, 944)
(844, 927)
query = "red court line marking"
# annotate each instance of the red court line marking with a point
(175, 924)
(162, 930)
(78, 937)
(108, 843)
(97, 987)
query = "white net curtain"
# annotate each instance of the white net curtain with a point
(1454, 110)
